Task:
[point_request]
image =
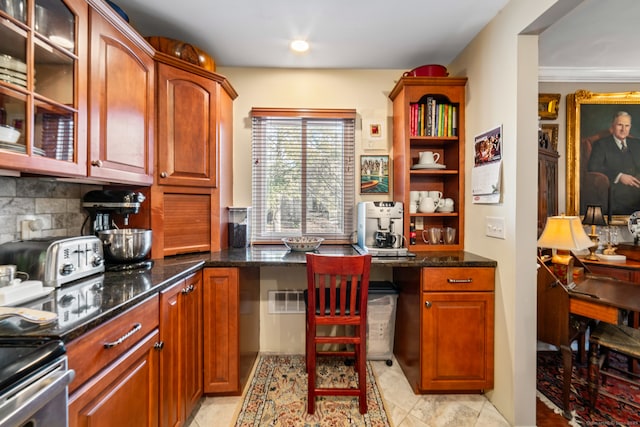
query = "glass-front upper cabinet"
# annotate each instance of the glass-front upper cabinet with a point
(43, 86)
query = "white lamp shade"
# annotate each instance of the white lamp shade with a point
(564, 233)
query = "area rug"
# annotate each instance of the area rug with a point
(608, 412)
(277, 395)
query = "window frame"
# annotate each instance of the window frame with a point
(349, 165)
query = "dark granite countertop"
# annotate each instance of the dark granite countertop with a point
(92, 301)
(279, 256)
(87, 303)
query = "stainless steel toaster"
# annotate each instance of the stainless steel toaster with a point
(55, 261)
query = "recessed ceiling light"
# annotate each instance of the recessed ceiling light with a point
(299, 46)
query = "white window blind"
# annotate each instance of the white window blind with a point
(303, 174)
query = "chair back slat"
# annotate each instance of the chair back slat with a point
(338, 285)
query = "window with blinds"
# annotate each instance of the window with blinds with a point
(303, 173)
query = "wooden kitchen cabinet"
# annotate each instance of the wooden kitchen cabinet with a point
(43, 88)
(547, 185)
(448, 343)
(412, 96)
(121, 100)
(231, 327)
(187, 126)
(181, 355)
(117, 385)
(187, 204)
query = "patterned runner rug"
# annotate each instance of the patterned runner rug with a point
(277, 396)
(608, 412)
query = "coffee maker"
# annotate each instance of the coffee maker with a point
(380, 227)
(103, 204)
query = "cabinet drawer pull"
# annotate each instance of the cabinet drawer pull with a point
(163, 174)
(136, 328)
(427, 304)
(469, 280)
(96, 163)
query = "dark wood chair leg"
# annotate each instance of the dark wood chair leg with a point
(311, 378)
(594, 375)
(567, 366)
(362, 376)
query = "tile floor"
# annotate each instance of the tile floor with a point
(405, 408)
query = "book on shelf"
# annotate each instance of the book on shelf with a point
(431, 118)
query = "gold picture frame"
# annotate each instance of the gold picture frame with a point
(548, 138)
(589, 117)
(548, 105)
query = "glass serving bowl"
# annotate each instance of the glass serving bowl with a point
(302, 243)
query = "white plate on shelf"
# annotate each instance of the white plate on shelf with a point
(444, 210)
(428, 166)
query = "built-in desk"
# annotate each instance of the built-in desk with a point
(445, 307)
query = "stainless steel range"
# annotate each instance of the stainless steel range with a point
(55, 261)
(34, 383)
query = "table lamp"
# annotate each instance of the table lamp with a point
(564, 234)
(593, 217)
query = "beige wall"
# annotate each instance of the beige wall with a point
(365, 90)
(502, 90)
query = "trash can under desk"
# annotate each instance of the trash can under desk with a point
(381, 320)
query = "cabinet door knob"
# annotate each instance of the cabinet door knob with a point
(159, 345)
(427, 304)
(96, 163)
(163, 174)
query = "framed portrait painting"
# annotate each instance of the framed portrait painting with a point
(374, 174)
(603, 149)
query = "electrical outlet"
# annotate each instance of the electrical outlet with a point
(495, 227)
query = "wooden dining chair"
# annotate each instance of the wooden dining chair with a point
(605, 339)
(337, 293)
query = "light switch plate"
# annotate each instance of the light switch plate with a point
(495, 227)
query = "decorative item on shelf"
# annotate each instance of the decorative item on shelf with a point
(185, 51)
(564, 234)
(429, 70)
(593, 217)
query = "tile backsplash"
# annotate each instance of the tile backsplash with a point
(57, 205)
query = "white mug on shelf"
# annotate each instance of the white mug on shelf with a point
(414, 196)
(435, 194)
(429, 157)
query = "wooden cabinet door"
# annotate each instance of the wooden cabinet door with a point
(457, 341)
(187, 116)
(181, 355)
(123, 394)
(121, 106)
(221, 333)
(192, 345)
(171, 380)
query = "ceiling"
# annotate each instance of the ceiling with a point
(379, 34)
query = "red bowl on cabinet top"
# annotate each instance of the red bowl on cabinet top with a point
(430, 70)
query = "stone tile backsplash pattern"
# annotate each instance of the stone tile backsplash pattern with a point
(57, 204)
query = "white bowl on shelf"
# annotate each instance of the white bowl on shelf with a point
(9, 134)
(302, 243)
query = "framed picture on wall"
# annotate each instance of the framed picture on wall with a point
(548, 105)
(374, 174)
(601, 169)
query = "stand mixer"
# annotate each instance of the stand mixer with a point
(380, 227)
(102, 204)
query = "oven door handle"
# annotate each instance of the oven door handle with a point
(36, 396)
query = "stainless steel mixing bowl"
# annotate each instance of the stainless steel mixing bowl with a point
(126, 244)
